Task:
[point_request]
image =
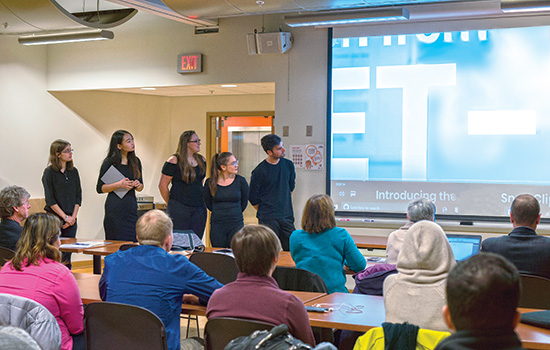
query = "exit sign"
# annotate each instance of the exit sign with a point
(190, 63)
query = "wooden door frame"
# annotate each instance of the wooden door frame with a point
(211, 123)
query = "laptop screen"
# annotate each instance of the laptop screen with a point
(464, 246)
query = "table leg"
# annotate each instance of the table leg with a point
(97, 264)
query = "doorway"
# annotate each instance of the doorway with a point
(240, 133)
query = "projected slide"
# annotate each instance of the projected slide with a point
(462, 118)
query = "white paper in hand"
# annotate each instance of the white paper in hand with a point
(113, 175)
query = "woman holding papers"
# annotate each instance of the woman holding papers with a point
(120, 176)
(35, 272)
(62, 189)
(322, 248)
(226, 195)
(186, 169)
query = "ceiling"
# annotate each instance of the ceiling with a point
(202, 90)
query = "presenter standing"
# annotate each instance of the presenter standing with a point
(271, 186)
(121, 203)
(62, 189)
(226, 195)
(186, 170)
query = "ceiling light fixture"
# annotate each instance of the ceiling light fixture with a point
(524, 5)
(332, 18)
(229, 85)
(65, 37)
(148, 88)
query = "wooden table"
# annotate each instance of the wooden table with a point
(370, 242)
(107, 248)
(357, 312)
(88, 284)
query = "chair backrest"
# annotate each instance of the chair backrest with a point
(119, 326)
(218, 332)
(535, 292)
(33, 318)
(127, 246)
(220, 266)
(291, 278)
(6, 255)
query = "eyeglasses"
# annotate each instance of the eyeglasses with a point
(68, 150)
(235, 163)
(195, 141)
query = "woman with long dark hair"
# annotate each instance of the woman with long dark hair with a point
(121, 204)
(186, 170)
(226, 195)
(62, 189)
(36, 273)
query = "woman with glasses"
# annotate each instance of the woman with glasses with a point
(226, 195)
(36, 273)
(186, 170)
(120, 176)
(62, 189)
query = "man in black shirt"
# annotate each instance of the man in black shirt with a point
(14, 208)
(271, 186)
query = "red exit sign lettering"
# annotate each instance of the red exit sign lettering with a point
(190, 63)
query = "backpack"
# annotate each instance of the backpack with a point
(277, 338)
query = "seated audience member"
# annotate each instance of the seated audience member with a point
(323, 248)
(419, 209)
(148, 276)
(37, 273)
(523, 247)
(255, 295)
(416, 294)
(482, 296)
(14, 208)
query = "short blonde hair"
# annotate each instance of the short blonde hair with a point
(255, 247)
(153, 228)
(318, 215)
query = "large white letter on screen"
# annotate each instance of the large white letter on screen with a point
(415, 81)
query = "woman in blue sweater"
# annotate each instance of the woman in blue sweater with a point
(323, 248)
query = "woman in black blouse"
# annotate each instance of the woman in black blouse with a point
(121, 204)
(62, 189)
(226, 195)
(186, 169)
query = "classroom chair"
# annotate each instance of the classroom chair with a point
(6, 255)
(220, 266)
(127, 246)
(291, 278)
(218, 332)
(535, 293)
(114, 326)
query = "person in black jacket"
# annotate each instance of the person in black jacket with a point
(62, 189)
(482, 298)
(14, 209)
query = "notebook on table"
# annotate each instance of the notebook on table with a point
(464, 246)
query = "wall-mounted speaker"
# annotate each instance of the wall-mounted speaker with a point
(262, 43)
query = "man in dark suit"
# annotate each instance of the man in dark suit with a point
(523, 247)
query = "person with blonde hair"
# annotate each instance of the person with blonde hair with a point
(186, 170)
(36, 273)
(255, 295)
(226, 196)
(62, 189)
(14, 209)
(323, 248)
(149, 277)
